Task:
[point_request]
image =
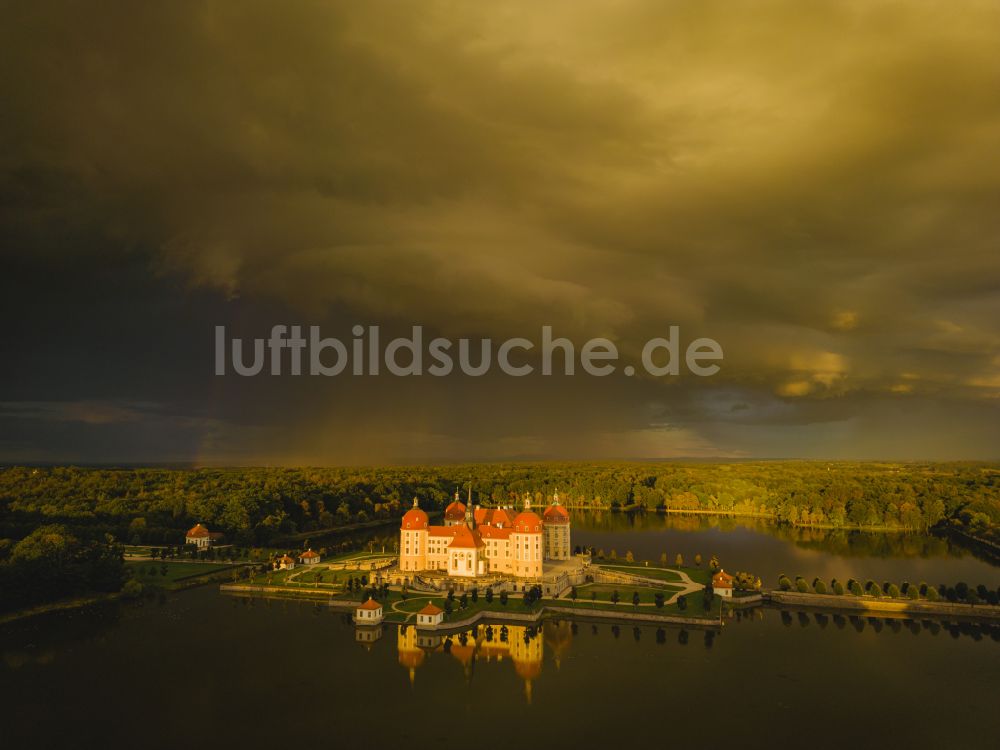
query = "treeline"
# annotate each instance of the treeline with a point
(961, 592)
(254, 506)
(53, 563)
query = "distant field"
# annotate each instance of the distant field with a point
(149, 572)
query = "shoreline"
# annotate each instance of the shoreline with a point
(863, 604)
(773, 598)
(583, 611)
(59, 606)
(85, 601)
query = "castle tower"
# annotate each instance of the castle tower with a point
(413, 539)
(527, 540)
(557, 534)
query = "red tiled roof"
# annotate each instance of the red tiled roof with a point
(309, 554)
(370, 604)
(414, 519)
(285, 559)
(454, 512)
(465, 537)
(555, 514)
(430, 609)
(528, 522)
(492, 517)
(197, 531)
(492, 532)
(443, 530)
(722, 580)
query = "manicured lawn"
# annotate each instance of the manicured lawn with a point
(700, 575)
(304, 576)
(131, 549)
(646, 596)
(322, 575)
(176, 571)
(357, 557)
(603, 592)
(416, 602)
(662, 574)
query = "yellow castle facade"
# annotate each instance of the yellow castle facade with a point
(477, 541)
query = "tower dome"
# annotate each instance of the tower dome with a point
(414, 519)
(455, 512)
(527, 521)
(555, 513)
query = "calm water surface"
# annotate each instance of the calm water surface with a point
(769, 551)
(200, 668)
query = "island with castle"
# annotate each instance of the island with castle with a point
(487, 543)
(497, 562)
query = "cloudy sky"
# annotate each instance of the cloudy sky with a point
(814, 185)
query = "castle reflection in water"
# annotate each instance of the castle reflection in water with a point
(523, 647)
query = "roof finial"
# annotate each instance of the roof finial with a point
(415, 503)
(555, 497)
(527, 501)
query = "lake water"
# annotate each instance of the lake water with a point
(199, 667)
(768, 551)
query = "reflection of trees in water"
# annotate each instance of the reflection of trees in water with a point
(855, 543)
(843, 542)
(977, 631)
(648, 521)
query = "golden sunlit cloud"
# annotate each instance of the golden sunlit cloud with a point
(811, 185)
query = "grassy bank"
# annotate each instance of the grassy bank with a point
(175, 575)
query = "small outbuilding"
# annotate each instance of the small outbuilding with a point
(430, 616)
(309, 557)
(285, 563)
(198, 535)
(369, 613)
(722, 584)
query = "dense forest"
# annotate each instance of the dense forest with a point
(52, 562)
(255, 506)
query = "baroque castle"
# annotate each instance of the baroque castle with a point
(477, 541)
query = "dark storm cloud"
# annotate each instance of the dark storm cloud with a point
(813, 186)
